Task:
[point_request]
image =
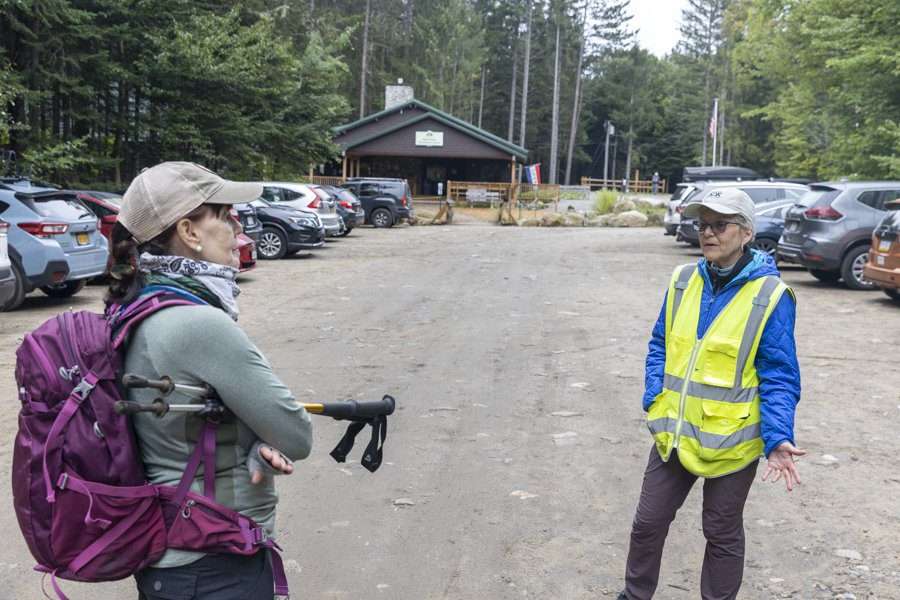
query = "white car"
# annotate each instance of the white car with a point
(673, 217)
(302, 197)
(7, 276)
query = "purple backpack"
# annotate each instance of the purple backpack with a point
(81, 496)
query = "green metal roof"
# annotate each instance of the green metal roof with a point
(438, 115)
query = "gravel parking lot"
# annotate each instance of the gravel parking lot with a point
(514, 462)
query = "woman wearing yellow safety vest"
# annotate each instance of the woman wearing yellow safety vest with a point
(722, 385)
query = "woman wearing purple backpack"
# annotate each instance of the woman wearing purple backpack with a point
(175, 234)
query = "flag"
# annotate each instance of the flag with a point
(533, 173)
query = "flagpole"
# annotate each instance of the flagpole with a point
(714, 125)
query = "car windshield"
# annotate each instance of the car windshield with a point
(818, 195)
(892, 218)
(58, 207)
(114, 199)
(681, 191)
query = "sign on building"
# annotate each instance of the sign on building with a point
(429, 138)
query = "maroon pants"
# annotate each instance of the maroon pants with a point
(666, 485)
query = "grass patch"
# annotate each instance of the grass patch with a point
(605, 201)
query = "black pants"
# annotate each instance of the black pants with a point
(213, 577)
(666, 485)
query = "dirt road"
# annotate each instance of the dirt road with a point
(517, 453)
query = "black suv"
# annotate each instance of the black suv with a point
(250, 222)
(286, 231)
(386, 201)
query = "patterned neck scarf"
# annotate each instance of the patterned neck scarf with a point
(212, 282)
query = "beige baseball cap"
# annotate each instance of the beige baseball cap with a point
(725, 201)
(159, 196)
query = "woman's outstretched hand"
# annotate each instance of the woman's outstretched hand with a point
(782, 465)
(265, 461)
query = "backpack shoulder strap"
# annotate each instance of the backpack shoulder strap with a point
(124, 319)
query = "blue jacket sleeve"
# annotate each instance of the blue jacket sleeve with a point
(779, 375)
(655, 366)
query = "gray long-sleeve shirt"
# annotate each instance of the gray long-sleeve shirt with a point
(201, 344)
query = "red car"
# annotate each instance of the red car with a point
(106, 206)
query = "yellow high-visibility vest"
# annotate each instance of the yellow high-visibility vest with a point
(709, 406)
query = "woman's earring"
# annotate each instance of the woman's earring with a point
(199, 248)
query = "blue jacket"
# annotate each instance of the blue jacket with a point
(776, 360)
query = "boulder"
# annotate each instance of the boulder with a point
(530, 223)
(631, 218)
(553, 220)
(623, 205)
(655, 219)
(574, 219)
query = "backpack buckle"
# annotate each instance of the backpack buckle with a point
(83, 389)
(62, 481)
(259, 536)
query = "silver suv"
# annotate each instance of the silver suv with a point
(830, 230)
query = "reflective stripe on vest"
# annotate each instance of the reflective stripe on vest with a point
(709, 406)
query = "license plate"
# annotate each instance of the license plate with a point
(884, 245)
(879, 260)
(82, 239)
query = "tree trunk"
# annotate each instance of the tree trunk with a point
(512, 88)
(554, 128)
(722, 128)
(576, 109)
(525, 80)
(365, 61)
(628, 154)
(481, 98)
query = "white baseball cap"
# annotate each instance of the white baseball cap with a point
(159, 196)
(725, 201)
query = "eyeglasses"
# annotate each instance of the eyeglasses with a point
(717, 227)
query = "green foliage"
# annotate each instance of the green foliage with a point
(59, 162)
(604, 201)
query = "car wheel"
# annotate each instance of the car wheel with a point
(767, 245)
(382, 218)
(825, 276)
(892, 294)
(272, 244)
(19, 294)
(65, 289)
(852, 269)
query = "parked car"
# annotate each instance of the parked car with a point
(763, 193)
(768, 225)
(55, 243)
(674, 205)
(105, 205)
(7, 277)
(883, 266)
(348, 206)
(830, 231)
(249, 220)
(286, 231)
(386, 201)
(302, 197)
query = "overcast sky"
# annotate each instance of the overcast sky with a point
(658, 21)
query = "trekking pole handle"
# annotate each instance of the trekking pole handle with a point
(164, 384)
(353, 409)
(158, 407)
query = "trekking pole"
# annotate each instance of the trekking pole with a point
(373, 413)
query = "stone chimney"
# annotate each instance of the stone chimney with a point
(397, 94)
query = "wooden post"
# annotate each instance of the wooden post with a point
(344, 167)
(310, 173)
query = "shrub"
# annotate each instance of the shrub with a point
(605, 201)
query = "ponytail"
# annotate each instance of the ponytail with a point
(125, 280)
